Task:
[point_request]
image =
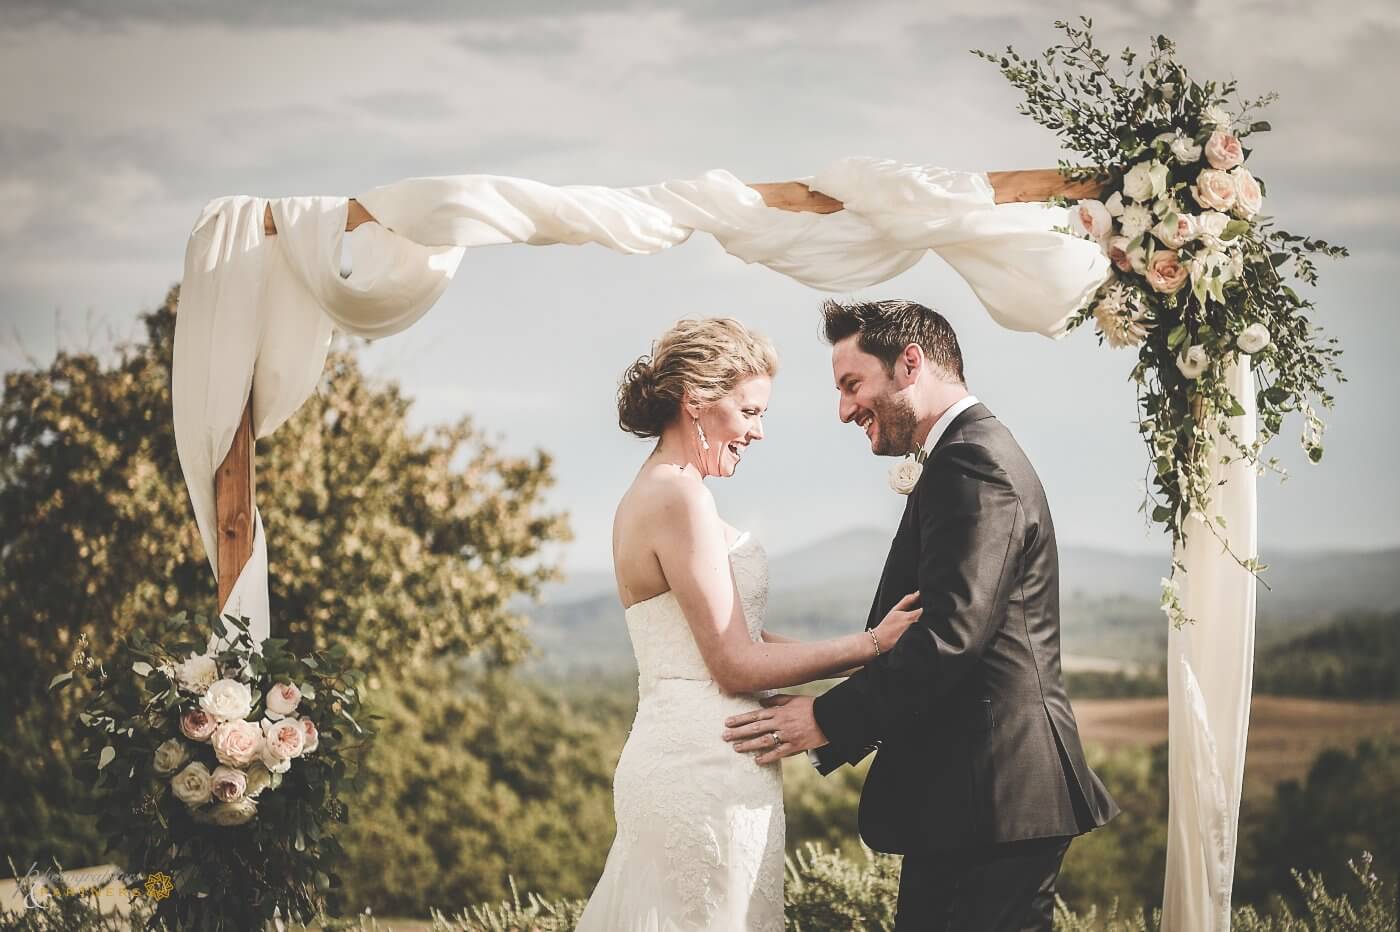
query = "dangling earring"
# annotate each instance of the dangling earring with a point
(705, 444)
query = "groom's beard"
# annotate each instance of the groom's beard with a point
(896, 425)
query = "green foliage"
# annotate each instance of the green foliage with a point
(476, 778)
(1357, 658)
(401, 544)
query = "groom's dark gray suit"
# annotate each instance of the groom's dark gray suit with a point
(979, 777)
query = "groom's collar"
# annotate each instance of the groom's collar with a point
(945, 421)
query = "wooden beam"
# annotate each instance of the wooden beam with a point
(233, 505)
(1015, 187)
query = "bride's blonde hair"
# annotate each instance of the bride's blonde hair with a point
(706, 358)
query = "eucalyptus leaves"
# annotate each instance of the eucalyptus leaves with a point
(1200, 276)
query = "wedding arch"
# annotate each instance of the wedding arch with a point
(262, 293)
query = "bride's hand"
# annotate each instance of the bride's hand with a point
(892, 628)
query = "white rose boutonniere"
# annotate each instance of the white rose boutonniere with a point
(905, 474)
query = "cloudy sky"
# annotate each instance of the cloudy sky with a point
(120, 119)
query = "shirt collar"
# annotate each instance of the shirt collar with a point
(940, 427)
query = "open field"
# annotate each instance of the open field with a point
(1285, 734)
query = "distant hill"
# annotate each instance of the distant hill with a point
(1108, 600)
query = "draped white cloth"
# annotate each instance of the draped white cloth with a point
(1210, 672)
(256, 314)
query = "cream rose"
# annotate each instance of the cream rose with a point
(904, 475)
(282, 700)
(1137, 183)
(1214, 189)
(1253, 338)
(227, 783)
(1186, 150)
(1223, 150)
(170, 756)
(1165, 273)
(1215, 115)
(1249, 197)
(198, 725)
(310, 734)
(1193, 362)
(197, 673)
(191, 786)
(1210, 224)
(227, 700)
(1136, 220)
(1091, 218)
(1114, 204)
(238, 812)
(237, 744)
(259, 779)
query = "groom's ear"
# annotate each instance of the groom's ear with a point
(908, 364)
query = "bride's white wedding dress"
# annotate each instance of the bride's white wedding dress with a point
(699, 840)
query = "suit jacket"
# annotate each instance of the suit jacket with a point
(975, 739)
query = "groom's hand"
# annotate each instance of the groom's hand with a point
(788, 716)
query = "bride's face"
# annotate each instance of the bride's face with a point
(734, 422)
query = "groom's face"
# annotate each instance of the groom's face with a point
(872, 400)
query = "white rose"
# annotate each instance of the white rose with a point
(227, 700)
(227, 783)
(904, 475)
(1137, 183)
(197, 673)
(170, 756)
(237, 744)
(1249, 197)
(1135, 221)
(1210, 224)
(1186, 150)
(1214, 189)
(1091, 218)
(1193, 362)
(1114, 204)
(238, 812)
(191, 786)
(282, 700)
(1215, 115)
(1254, 338)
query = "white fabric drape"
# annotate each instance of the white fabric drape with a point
(1210, 672)
(257, 312)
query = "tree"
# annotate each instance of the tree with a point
(401, 544)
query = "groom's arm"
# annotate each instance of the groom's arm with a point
(970, 533)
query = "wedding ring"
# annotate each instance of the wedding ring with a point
(776, 740)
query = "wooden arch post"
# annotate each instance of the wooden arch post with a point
(233, 481)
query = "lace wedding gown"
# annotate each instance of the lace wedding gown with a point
(699, 840)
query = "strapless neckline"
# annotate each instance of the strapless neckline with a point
(739, 542)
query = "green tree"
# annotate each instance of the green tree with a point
(401, 544)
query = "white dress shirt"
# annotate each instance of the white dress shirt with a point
(940, 427)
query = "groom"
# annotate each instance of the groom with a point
(979, 779)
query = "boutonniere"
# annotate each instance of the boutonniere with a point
(905, 474)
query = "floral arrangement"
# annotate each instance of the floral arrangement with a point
(1200, 273)
(219, 764)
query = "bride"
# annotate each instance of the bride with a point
(699, 841)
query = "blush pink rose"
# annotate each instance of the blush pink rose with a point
(227, 783)
(283, 740)
(1249, 197)
(282, 700)
(1165, 273)
(1214, 189)
(1117, 250)
(237, 743)
(312, 737)
(198, 725)
(1223, 151)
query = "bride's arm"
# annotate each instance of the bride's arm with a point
(695, 561)
(772, 638)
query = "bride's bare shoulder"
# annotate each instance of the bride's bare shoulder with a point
(664, 490)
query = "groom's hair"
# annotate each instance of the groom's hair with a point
(887, 327)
